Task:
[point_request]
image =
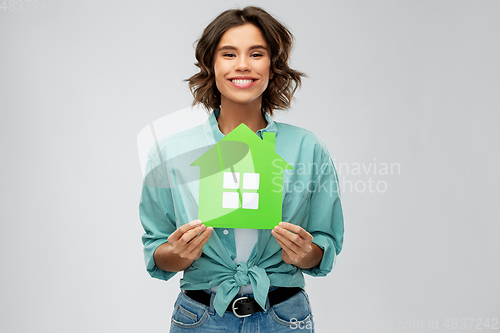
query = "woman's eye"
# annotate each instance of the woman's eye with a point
(232, 55)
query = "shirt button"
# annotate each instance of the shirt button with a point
(225, 231)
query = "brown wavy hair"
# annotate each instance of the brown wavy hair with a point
(284, 82)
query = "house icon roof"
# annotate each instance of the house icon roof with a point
(241, 181)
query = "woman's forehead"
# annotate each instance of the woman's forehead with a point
(242, 36)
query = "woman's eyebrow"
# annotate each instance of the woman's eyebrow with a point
(254, 47)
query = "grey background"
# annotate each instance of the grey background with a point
(408, 82)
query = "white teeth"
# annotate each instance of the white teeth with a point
(241, 81)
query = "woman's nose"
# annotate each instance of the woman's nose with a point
(242, 64)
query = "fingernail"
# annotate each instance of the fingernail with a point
(203, 227)
(195, 222)
(276, 228)
(282, 223)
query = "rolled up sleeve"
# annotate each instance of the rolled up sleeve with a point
(326, 221)
(157, 214)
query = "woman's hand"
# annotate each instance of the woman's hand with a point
(183, 247)
(297, 245)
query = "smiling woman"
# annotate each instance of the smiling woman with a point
(275, 39)
(242, 72)
(242, 60)
(237, 279)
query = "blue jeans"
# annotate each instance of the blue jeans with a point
(288, 316)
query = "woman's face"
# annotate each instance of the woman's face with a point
(242, 66)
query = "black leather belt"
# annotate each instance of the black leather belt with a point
(245, 306)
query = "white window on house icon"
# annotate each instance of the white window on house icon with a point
(250, 200)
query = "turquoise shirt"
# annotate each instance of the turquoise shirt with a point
(310, 199)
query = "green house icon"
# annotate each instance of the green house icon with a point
(241, 181)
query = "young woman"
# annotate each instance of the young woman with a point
(242, 280)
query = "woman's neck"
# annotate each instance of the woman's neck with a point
(231, 115)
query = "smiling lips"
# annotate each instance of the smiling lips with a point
(242, 83)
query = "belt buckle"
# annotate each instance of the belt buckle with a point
(235, 308)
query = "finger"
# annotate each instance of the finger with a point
(207, 233)
(291, 237)
(294, 228)
(177, 234)
(194, 249)
(297, 229)
(200, 240)
(283, 246)
(191, 234)
(288, 252)
(291, 246)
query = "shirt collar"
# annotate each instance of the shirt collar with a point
(213, 132)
